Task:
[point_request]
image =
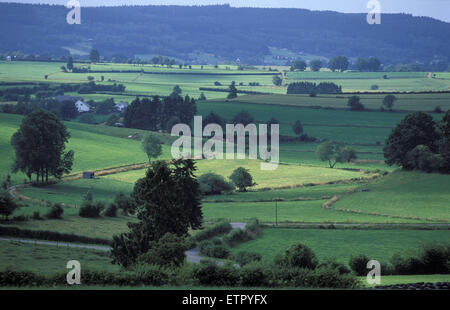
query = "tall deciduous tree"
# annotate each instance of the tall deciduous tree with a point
(70, 63)
(168, 201)
(334, 153)
(151, 146)
(316, 64)
(339, 63)
(94, 56)
(242, 179)
(39, 145)
(415, 129)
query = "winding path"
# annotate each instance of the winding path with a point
(192, 255)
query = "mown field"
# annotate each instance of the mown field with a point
(342, 244)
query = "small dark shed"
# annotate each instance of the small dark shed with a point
(88, 175)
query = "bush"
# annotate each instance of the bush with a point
(55, 212)
(325, 277)
(20, 278)
(36, 216)
(254, 275)
(333, 264)
(213, 184)
(150, 275)
(236, 236)
(359, 264)
(210, 274)
(215, 230)
(91, 210)
(211, 249)
(167, 251)
(49, 235)
(243, 258)
(298, 256)
(111, 211)
(431, 259)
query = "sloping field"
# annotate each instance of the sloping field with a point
(404, 194)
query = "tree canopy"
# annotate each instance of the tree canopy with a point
(39, 146)
(167, 200)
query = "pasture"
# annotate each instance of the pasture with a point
(405, 194)
(342, 244)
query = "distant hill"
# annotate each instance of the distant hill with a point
(221, 32)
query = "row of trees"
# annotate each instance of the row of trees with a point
(313, 88)
(160, 114)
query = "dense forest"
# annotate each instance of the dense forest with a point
(227, 33)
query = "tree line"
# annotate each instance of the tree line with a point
(160, 113)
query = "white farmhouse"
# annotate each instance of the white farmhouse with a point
(121, 106)
(82, 106)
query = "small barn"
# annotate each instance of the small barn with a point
(89, 175)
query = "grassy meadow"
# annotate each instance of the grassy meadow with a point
(342, 244)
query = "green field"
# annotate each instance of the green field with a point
(342, 244)
(404, 194)
(95, 147)
(284, 175)
(405, 102)
(48, 259)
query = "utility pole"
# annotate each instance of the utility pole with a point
(276, 212)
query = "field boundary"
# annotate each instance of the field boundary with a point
(329, 205)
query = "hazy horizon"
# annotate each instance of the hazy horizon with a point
(438, 9)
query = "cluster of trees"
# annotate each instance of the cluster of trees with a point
(300, 65)
(418, 142)
(160, 114)
(39, 147)
(335, 153)
(371, 64)
(338, 63)
(313, 88)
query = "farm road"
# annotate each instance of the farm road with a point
(192, 255)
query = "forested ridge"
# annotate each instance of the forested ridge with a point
(223, 31)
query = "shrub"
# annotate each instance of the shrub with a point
(355, 104)
(91, 210)
(124, 203)
(299, 256)
(210, 274)
(20, 278)
(325, 277)
(111, 211)
(374, 87)
(7, 204)
(215, 230)
(150, 275)
(213, 184)
(55, 212)
(167, 251)
(209, 248)
(333, 264)
(254, 275)
(36, 216)
(431, 259)
(243, 258)
(236, 236)
(359, 264)
(49, 235)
